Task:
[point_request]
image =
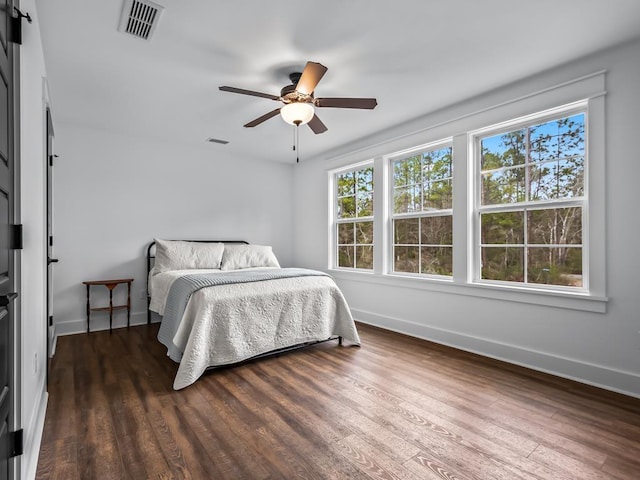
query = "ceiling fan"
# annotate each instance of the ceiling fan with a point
(299, 100)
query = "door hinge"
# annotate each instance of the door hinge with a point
(16, 26)
(51, 157)
(15, 236)
(15, 443)
(51, 240)
(50, 320)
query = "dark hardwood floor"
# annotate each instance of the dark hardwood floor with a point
(397, 408)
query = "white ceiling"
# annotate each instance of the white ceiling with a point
(414, 56)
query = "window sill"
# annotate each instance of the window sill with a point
(570, 300)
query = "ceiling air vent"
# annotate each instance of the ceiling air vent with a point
(139, 18)
(217, 140)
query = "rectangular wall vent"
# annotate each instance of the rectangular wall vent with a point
(140, 18)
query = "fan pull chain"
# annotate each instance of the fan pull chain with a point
(296, 140)
(298, 143)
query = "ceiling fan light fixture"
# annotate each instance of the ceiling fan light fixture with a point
(297, 113)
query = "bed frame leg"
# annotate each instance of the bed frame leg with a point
(340, 341)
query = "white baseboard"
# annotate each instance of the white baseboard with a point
(627, 383)
(72, 327)
(33, 438)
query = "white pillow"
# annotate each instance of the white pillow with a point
(181, 255)
(245, 256)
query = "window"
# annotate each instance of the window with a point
(505, 202)
(354, 218)
(531, 203)
(422, 212)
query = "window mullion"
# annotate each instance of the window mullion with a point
(381, 259)
(462, 214)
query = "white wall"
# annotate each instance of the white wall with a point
(33, 256)
(113, 194)
(596, 348)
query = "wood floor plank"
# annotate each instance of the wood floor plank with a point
(373, 462)
(428, 467)
(244, 424)
(298, 427)
(567, 465)
(396, 408)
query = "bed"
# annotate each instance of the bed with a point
(226, 302)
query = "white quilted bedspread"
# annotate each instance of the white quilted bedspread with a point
(230, 323)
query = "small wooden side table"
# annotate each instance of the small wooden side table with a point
(110, 284)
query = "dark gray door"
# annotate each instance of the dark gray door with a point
(7, 268)
(50, 260)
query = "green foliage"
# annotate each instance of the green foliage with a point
(423, 182)
(355, 193)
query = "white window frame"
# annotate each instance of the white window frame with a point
(479, 209)
(443, 143)
(500, 106)
(335, 221)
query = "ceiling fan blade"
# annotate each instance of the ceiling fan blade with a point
(316, 125)
(249, 92)
(263, 118)
(310, 77)
(366, 103)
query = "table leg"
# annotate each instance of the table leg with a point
(128, 302)
(88, 306)
(110, 308)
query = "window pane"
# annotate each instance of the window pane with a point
(571, 139)
(365, 204)
(557, 179)
(503, 186)
(436, 164)
(504, 150)
(437, 230)
(437, 195)
(544, 146)
(502, 228)
(555, 226)
(406, 231)
(364, 257)
(407, 199)
(405, 259)
(347, 207)
(345, 233)
(364, 232)
(555, 266)
(437, 260)
(407, 171)
(346, 184)
(346, 256)
(558, 138)
(503, 263)
(365, 180)
(354, 200)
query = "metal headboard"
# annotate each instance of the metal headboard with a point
(151, 257)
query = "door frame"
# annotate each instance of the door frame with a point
(15, 332)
